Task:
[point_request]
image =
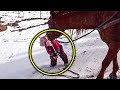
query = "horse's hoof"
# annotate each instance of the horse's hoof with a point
(111, 76)
(99, 77)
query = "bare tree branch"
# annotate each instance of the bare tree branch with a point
(28, 19)
(19, 30)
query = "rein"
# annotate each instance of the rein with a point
(99, 27)
(71, 77)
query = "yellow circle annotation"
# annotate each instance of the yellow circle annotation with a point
(32, 61)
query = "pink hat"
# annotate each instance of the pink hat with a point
(42, 41)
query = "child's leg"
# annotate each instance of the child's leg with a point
(63, 55)
(53, 61)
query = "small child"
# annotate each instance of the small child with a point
(54, 49)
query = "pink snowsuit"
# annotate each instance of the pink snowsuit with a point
(52, 48)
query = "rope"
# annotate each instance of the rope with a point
(67, 76)
(110, 24)
(71, 77)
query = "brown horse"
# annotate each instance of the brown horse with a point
(83, 20)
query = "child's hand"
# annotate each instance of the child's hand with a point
(53, 54)
(58, 52)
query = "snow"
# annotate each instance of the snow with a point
(14, 59)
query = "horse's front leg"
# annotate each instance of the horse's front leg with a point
(112, 52)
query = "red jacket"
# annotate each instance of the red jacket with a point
(50, 49)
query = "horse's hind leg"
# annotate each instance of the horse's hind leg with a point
(115, 68)
(112, 52)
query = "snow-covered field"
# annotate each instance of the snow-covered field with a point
(14, 60)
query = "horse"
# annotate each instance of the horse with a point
(84, 20)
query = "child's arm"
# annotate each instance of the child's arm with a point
(51, 51)
(56, 45)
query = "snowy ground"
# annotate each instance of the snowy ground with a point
(14, 60)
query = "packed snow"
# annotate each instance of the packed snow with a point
(14, 58)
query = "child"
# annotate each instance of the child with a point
(54, 49)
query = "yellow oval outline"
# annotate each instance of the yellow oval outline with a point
(32, 61)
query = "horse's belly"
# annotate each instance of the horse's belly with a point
(109, 36)
(115, 33)
(115, 37)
